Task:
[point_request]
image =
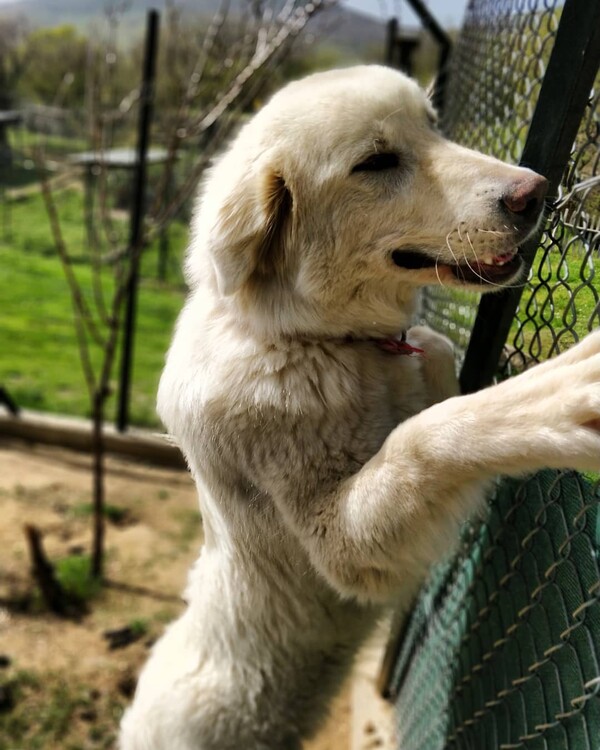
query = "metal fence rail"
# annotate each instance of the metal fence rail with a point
(502, 649)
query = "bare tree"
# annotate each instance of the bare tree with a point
(218, 82)
(13, 58)
(13, 62)
(261, 42)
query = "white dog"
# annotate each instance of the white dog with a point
(330, 477)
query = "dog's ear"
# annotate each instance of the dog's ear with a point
(249, 235)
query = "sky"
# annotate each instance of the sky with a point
(447, 12)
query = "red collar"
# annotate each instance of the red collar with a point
(392, 345)
(397, 346)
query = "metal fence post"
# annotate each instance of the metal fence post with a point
(445, 44)
(569, 78)
(391, 42)
(137, 215)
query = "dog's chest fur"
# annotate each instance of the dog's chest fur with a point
(243, 409)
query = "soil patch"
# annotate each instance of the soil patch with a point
(62, 686)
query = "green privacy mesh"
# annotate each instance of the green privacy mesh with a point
(502, 649)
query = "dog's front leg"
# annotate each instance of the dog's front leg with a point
(380, 529)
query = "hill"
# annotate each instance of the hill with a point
(354, 33)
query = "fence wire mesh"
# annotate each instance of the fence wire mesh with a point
(560, 303)
(502, 650)
(497, 69)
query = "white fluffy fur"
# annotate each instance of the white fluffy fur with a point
(330, 478)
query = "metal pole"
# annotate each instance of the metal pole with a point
(8, 401)
(391, 42)
(137, 215)
(561, 104)
(445, 45)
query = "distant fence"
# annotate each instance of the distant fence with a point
(502, 648)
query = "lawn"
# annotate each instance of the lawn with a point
(40, 362)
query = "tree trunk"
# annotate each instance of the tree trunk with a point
(55, 597)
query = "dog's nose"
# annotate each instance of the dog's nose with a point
(525, 197)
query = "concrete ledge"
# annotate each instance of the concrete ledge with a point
(76, 434)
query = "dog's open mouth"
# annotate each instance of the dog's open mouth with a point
(500, 270)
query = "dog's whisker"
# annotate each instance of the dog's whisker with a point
(488, 281)
(472, 248)
(450, 248)
(497, 232)
(476, 273)
(476, 261)
(437, 271)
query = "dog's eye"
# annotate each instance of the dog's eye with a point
(378, 163)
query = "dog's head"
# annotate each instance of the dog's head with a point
(340, 198)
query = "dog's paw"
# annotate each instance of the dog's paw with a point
(438, 363)
(434, 344)
(555, 409)
(586, 348)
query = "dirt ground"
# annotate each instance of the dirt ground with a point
(61, 686)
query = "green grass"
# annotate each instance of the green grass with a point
(40, 363)
(27, 141)
(74, 573)
(190, 523)
(563, 299)
(139, 626)
(52, 712)
(116, 514)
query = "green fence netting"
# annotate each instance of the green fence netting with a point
(502, 649)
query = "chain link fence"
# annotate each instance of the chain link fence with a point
(502, 649)
(498, 66)
(561, 301)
